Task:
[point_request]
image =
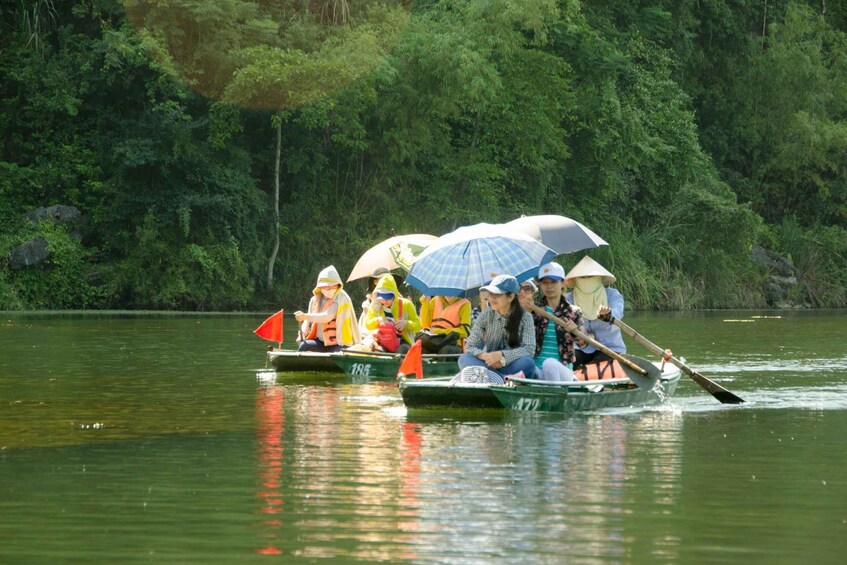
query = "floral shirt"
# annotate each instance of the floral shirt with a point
(565, 340)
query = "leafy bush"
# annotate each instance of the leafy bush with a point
(59, 282)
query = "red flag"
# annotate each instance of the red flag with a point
(413, 362)
(271, 329)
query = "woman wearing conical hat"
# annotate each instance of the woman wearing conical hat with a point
(592, 293)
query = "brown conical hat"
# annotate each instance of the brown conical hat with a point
(588, 267)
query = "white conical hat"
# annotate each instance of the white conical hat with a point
(588, 267)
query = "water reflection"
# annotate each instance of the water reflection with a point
(270, 423)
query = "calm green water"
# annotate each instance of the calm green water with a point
(154, 438)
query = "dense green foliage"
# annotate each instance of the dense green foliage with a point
(683, 132)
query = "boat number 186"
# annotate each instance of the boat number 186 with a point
(360, 369)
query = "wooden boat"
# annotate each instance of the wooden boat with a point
(286, 361)
(380, 365)
(533, 394)
(546, 396)
(441, 393)
(370, 365)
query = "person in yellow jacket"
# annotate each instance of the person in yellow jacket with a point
(330, 323)
(446, 322)
(390, 309)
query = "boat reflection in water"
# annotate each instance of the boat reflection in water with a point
(336, 476)
(344, 472)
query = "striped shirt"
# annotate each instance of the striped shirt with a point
(488, 334)
(549, 346)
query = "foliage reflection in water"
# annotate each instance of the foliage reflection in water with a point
(203, 456)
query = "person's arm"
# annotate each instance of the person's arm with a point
(413, 323)
(527, 345)
(615, 302)
(322, 317)
(427, 306)
(474, 344)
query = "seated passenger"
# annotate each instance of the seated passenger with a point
(393, 319)
(502, 340)
(330, 323)
(592, 294)
(369, 296)
(446, 322)
(554, 345)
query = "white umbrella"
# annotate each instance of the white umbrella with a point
(398, 252)
(561, 234)
(461, 261)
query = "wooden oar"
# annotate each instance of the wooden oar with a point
(713, 388)
(644, 375)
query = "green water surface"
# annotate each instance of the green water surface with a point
(142, 437)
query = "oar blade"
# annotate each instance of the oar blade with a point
(648, 381)
(724, 396)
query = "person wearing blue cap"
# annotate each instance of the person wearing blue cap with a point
(555, 348)
(389, 313)
(502, 340)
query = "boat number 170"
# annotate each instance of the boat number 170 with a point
(363, 369)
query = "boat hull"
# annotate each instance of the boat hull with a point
(302, 362)
(546, 398)
(357, 364)
(433, 393)
(387, 367)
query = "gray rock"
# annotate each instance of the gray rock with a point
(32, 252)
(772, 263)
(59, 213)
(780, 280)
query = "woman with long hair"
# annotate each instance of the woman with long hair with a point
(502, 340)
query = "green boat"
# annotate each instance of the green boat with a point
(441, 393)
(369, 365)
(287, 361)
(386, 365)
(545, 396)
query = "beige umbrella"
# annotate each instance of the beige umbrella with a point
(398, 252)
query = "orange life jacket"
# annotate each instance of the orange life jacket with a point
(328, 328)
(446, 317)
(601, 370)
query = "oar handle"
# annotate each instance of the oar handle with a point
(613, 354)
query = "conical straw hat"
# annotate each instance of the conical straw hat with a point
(588, 267)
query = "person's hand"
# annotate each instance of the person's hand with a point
(667, 354)
(494, 359)
(298, 315)
(604, 313)
(401, 324)
(526, 301)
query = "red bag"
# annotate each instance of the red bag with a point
(386, 336)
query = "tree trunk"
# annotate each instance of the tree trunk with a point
(277, 163)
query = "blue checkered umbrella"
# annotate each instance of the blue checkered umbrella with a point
(458, 263)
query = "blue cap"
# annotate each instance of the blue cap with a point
(385, 295)
(501, 284)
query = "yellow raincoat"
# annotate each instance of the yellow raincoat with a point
(409, 313)
(347, 328)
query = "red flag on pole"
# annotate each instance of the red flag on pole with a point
(271, 329)
(413, 362)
